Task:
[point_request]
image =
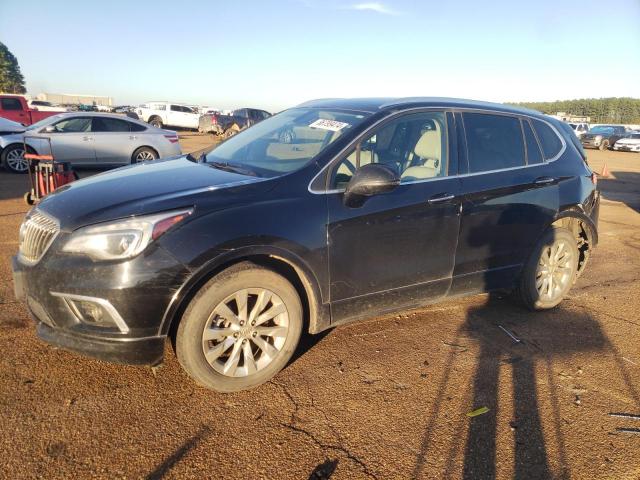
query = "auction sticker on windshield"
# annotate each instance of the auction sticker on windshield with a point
(332, 125)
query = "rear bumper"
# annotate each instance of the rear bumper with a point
(142, 351)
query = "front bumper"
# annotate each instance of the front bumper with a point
(139, 291)
(626, 148)
(139, 351)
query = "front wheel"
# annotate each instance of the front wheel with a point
(604, 145)
(551, 270)
(240, 329)
(13, 159)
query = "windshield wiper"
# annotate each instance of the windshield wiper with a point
(228, 167)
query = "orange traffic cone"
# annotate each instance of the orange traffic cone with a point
(605, 171)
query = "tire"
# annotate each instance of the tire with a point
(156, 122)
(556, 253)
(231, 131)
(229, 367)
(604, 145)
(144, 154)
(28, 198)
(13, 159)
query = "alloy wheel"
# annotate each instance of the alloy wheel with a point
(144, 155)
(554, 272)
(16, 161)
(245, 332)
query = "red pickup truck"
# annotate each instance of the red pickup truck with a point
(15, 108)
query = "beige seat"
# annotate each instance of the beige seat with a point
(429, 150)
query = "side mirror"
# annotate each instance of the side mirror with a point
(368, 180)
(49, 129)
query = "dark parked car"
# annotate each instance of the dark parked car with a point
(603, 136)
(372, 206)
(229, 125)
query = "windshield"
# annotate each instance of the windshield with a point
(634, 135)
(44, 122)
(283, 143)
(602, 130)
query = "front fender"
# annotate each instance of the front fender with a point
(319, 317)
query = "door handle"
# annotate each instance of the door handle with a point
(132, 137)
(441, 197)
(544, 180)
(87, 139)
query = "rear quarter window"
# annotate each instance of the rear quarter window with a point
(549, 139)
(136, 127)
(494, 142)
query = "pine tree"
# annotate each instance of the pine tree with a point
(11, 80)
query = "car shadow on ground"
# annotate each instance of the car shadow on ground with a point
(543, 337)
(622, 187)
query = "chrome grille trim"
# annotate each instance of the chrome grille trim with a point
(37, 232)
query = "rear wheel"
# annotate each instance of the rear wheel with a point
(231, 131)
(13, 159)
(240, 329)
(144, 154)
(551, 270)
(156, 122)
(604, 145)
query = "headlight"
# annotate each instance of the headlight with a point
(122, 238)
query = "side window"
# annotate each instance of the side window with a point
(10, 104)
(549, 140)
(109, 125)
(74, 125)
(414, 145)
(494, 142)
(175, 108)
(135, 127)
(534, 155)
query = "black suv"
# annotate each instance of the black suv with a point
(370, 206)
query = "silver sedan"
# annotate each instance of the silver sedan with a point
(88, 139)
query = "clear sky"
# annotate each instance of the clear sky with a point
(277, 53)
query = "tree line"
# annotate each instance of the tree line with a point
(11, 80)
(600, 110)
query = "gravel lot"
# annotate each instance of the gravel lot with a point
(386, 398)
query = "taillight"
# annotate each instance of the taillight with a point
(172, 138)
(214, 120)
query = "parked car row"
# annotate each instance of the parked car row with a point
(86, 139)
(206, 120)
(604, 137)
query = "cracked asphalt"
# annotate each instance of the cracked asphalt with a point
(387, 398)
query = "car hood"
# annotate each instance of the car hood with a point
(7, 126)
(148, 188)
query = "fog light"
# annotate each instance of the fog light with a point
(90, 311)
(93, 311)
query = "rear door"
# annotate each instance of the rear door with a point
(12, 109)
(113, 141)
(509, 197)
(397, 249)
(72, 141)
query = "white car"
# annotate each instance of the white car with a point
(579, 128)
(45, 106)
(88, 139)
(629, 143)
(160, 114)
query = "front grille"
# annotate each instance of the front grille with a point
(36, 234)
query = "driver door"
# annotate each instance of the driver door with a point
(397, 249)
(72, 141)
